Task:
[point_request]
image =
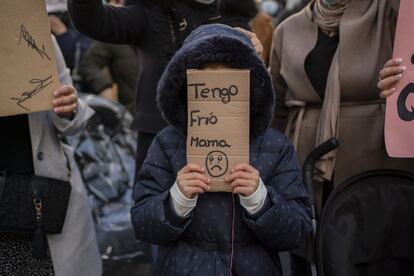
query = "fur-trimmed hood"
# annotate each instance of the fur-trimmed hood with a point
(216, 43)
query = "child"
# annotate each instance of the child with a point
(236, 233)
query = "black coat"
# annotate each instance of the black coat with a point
(122, 62)
(157, 30)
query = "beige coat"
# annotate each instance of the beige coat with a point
(366, 39)
(74, 251)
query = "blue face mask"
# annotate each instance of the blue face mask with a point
(270, 7)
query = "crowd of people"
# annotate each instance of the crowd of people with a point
(319, 69)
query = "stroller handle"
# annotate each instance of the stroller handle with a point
(309, 164)
(308, 173)
(313, 157)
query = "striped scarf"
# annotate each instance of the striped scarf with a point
(328, 16)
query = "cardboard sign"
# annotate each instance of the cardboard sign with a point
(218, 122)
(399, 116)
(27, 59)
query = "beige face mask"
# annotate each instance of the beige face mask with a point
(330, 2)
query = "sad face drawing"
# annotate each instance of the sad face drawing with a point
(217, 163)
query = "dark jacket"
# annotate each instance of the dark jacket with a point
(122, 62)
(156, 29)
(73, 45)
(241, 11)
(201, 243)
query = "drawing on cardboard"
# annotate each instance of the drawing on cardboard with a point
(217, 163)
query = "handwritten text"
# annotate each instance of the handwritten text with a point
(27, 95)
(31, 42)
(224, 94)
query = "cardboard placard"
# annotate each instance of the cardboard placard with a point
(218, 122)
(27, 58)
(399, 116)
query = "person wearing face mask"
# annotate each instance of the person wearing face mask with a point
(325, 64)
(157, 28)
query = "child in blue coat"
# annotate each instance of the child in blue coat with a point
(238, 233)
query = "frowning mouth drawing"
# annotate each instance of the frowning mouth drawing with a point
(217, 163)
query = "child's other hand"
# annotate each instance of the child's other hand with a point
(65, 101)
(244, 179)
(389, 76)
(191, 180)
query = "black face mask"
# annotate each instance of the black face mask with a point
(206, 2)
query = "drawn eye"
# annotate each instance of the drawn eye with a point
(211, 159)
(220, 158)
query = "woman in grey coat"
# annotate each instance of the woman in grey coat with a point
(32, 146)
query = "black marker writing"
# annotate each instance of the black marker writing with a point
(224, 94)
(403, 112)
(208, 143)
(217, 163)
(27, 95)
(31, 42)
(202, 120)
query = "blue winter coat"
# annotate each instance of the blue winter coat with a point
(200, 244)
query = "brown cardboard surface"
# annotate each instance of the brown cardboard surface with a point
(221, 170)
(231, 109)
(224, 80)
(218, 121)
(27, 58)
(237, 143)
(238, 125)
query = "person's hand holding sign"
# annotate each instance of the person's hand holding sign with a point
(244, 179)
(191, 181)
(389, 76)
(65, 101)
(254, 39)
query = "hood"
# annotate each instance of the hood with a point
(216, 43)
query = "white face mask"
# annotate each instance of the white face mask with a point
(206, 2)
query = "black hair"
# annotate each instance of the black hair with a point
(131, 2)
(246, 8)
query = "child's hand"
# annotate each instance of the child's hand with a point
(389, 76)
(191, 181)
(244, 179)
(65, 102)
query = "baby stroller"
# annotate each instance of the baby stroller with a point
(366, 226)
(105, 154)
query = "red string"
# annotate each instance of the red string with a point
(233, 230)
